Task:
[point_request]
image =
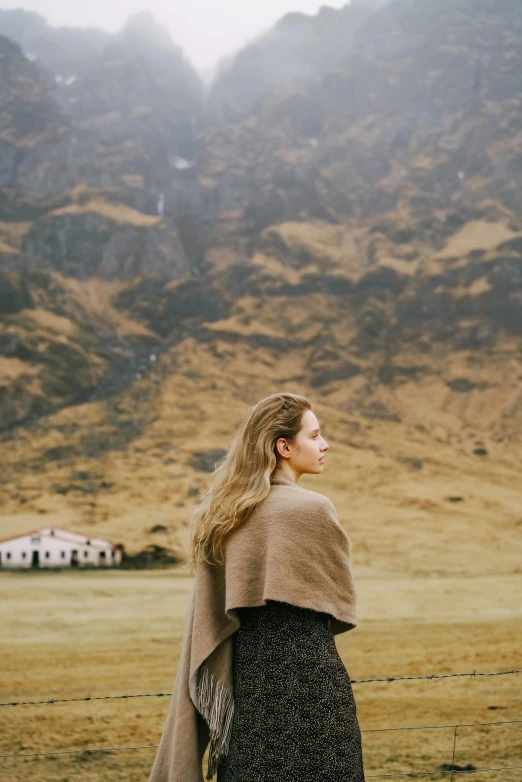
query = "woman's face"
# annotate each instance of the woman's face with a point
(306, 453)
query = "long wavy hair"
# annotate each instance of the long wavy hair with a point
(241, 479)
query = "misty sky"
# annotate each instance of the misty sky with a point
(205, 29)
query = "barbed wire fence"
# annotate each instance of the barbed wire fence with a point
(451, 768)
(168, 694)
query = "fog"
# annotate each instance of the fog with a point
(205, 29)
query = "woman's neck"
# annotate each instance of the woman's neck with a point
(284, 478)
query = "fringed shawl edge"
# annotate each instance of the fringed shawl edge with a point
(216, 704)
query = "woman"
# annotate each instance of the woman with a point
(260, 679)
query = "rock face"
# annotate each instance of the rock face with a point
(97, 143)
(362, 166)
(88, 244)
(406, 135)
(415, 108)
(27, 110)
(29, 119)
(117, 126)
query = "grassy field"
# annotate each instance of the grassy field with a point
(93, 634)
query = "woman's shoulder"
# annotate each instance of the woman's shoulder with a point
(298, 495)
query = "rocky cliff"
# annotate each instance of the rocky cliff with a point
(115, 148)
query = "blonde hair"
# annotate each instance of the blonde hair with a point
(241, 479)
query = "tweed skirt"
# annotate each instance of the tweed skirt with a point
(294, 713)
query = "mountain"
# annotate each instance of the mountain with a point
(339, 215)
(55, 48)
(391, 179)
(103, 185)
(90, 161)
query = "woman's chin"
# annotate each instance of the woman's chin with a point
(315, 469)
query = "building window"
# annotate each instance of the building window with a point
(35, 539)
(63, 554)
(47, 554)
(8, 555)
(52, 532)
(112, 553)
(24, 555)
(85, 553)
(88, 542)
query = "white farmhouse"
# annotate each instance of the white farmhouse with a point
(55, 547)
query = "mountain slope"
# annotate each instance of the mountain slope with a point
(340, 220)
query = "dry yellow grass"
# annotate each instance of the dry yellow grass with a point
(12, 368)
(50, 323)
(92, 300)
(119, 213)
(406, 268)
(7, 248)
(12, 235)
(329, 244)
(401, 517)
(476, 235)
(92, 634)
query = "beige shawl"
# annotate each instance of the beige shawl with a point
(290, 548)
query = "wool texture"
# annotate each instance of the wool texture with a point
(290, 548)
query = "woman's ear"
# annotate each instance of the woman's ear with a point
(282, 447)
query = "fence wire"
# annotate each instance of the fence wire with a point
(169, 694)
(454, 769)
